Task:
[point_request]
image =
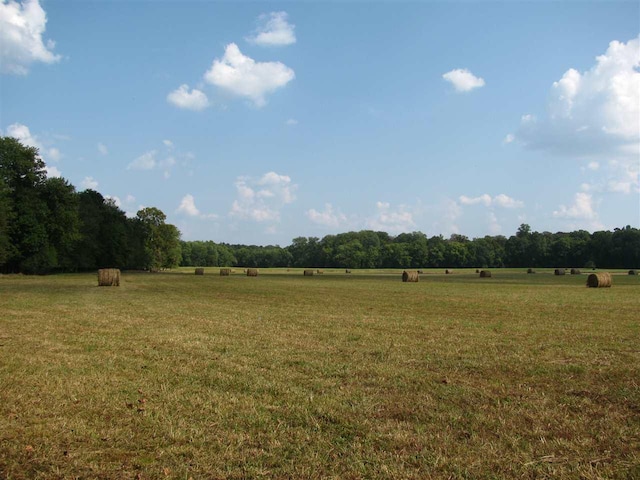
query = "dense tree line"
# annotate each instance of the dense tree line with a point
(47, 226)
(369, 249)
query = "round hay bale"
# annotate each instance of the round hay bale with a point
(347, 271)
(485, 274)
(575, 271)
(252, 272)
(633, 272)
(225, 272)
(308, 273)
(320, 272)
(531, 270)
(199, 271)
(420, 272)
(559, 271)
(410, 276)
(477, 270)
(108, 277)
(448, 272)
(599, 280)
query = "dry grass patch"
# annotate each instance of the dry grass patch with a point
(175, 377)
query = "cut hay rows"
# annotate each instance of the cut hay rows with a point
(599, 280)
(410, 276)
(308, 273)
(485, 274)
(252, 272)
(225, 272)
(559, 271)
(109, 277)
(199, 271)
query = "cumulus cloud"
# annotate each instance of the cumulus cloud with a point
(273, 30)
(52, 172)
(328, 217)
(154, 160)
(244, 77)
(500, 200)
(102, 148)
(188, 100)
(291, 122)
(463, 80)
(594, 114)
(89, 183)
(582, 208)
(21, 44)
(261, 200)
(392, 220)
(22, 133)
(146, 161)
(188, 207)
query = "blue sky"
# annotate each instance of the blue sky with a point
(256, 122)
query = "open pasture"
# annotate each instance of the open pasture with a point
(337, 375)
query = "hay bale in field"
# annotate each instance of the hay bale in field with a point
(347, 271)
(108, 277)
(633, 272)
(308, 273)
(225, 272)
(477, 270)
(320, 272)
(199, 271)
(559, 271)
(531, 270)
(252, 272)
(420, 272)
(575, 271)
(485, 274)
(599, 280)
(448, 272)
(410, 276)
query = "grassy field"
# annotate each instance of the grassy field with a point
(332, 376)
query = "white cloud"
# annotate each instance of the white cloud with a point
(168, 143)
(390, 220)
(494, 226)
(182, 98)
(463, 80)
(188, 206)
(582, 208)
(89, 183)
(509, 138)
(102, 148)
(21, 44)
(146, 161)
(291, 122)
(595, 115)
(500, 200)
(261, 200)
(244, 77)
(23, 135)
(274, 30)
(130, 198)
(328, 217)
(52, 172)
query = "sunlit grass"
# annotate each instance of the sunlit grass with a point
(332, 376)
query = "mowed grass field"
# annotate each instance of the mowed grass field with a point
(333, 376)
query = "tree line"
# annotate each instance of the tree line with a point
(47, 226)
(369, 249)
